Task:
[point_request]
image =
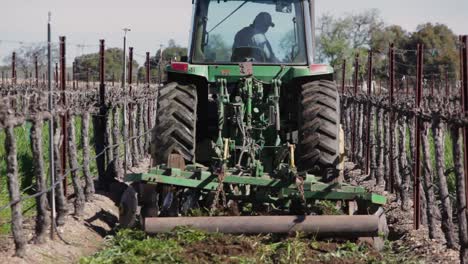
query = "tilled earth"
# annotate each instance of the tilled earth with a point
(192, 246)
(86, 236)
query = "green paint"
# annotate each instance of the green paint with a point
(280, 190)
(264, 73)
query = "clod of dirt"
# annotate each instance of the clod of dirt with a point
(219, 248)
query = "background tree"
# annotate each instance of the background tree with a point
(173, 52)
(25, 59)
(380, 43)
(341, 38)
(441, 51)
(217, 49)
(113, 69)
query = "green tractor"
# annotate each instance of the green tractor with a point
(248, 131)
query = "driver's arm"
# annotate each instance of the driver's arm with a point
(262, 42)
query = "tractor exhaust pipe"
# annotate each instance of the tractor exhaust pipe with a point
(336, 226)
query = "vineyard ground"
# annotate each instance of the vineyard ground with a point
(25, 162)
(85, 236)
(88, 243)
(82, 237)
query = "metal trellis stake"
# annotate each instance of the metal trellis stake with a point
(417, 131)
(391, 117)
(343, 77)
(13, 68)
(65, 115)
(148, 82)
(102, 86)
(124, 77)
(36, 72)
(353, 129)
(465, 108)
(369, 109)
(148, 69)
(51, 129)
(73, 75)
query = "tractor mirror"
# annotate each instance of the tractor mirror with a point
(283, 6)
(207, 39)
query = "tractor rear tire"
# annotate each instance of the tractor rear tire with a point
(319, 130)
(175, 127)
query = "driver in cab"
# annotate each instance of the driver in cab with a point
(254, 36)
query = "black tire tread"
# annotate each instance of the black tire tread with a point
(319, 123)
(175, 126)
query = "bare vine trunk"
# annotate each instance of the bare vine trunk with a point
(127, 131)
(380, 147)
(387, 148)
(403, 165)
(447, 221)
(133, 133)
(109, 141)
(89, 186)
(395, 162)
(14, 192)
(461, 195)
(42, 216)
(432, 209)
(116, 140)
(145, 127)
(423, 203)
(140, 139)
(372, 142)
(348, 128)
(359, 136)
(59, 193)
(73, 163)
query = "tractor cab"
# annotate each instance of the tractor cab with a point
(258, 31)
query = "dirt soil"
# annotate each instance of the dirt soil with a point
(81, 237)
(86, 236)
(400, 223)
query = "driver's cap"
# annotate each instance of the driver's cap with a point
(264, 18)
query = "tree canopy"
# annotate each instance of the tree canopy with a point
(113, 65)
(25, 58)
(172, 52)
(342, 37)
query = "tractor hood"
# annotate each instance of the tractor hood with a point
(233, 72)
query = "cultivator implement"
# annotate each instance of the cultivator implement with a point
(358, 213)
(280, 193)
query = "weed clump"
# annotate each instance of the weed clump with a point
(186, 245)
